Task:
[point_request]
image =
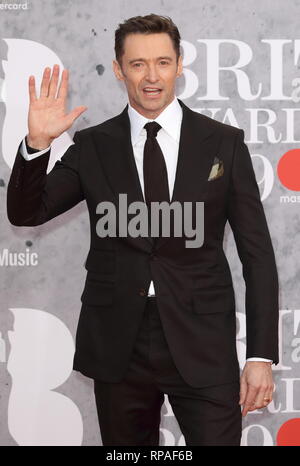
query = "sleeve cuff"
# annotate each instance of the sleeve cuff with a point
(29, 153)
(259, 359)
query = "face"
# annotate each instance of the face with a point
(149, 69)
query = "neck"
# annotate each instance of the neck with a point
(151, 115)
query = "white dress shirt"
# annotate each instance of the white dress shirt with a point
(168, 138)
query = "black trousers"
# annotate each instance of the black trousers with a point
(129, 411)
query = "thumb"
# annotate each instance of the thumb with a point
(75, 113)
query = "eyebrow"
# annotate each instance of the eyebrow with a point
(143, 59)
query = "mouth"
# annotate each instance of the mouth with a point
(152, 91)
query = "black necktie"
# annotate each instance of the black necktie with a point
(154, 168)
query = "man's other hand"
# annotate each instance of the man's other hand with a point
(256, 387)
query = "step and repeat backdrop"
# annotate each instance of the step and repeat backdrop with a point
(241, 67)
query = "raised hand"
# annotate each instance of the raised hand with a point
(47, 117)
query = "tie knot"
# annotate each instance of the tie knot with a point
(152, 129)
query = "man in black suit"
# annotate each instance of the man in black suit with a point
(157, 317)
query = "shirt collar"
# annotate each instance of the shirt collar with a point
(169, 119)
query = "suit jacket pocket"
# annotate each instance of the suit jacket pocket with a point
(101, 262)
(97, 292)
(213, 300)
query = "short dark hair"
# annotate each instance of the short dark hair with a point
(149, 24)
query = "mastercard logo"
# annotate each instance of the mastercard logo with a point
(288, 170)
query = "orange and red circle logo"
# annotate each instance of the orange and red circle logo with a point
(288, 169)
(289, 433)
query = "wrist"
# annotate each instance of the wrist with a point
(37, 143)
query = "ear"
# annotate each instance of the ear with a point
(118, 71)
(179, 66)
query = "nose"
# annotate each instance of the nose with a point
(152, 74)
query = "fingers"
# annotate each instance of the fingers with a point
(50, 82)
(257, 398)
(48, 99)
(267, 396)
(63, 88)
(45, 83)
(32, 91)
(262, 398)
(53, 82)
(249, 401)
(269, 393)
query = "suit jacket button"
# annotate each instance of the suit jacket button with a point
(142, 292)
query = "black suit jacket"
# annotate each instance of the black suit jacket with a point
(194, 288)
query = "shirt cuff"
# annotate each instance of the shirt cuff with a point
(31, 156)
(259, 359)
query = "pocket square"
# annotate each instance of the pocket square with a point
(217, 169)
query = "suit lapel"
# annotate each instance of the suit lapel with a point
(197, 148)
(117, 160)
(194, 155)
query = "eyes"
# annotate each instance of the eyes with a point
(138, 65)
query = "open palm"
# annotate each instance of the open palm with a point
(47, 117)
